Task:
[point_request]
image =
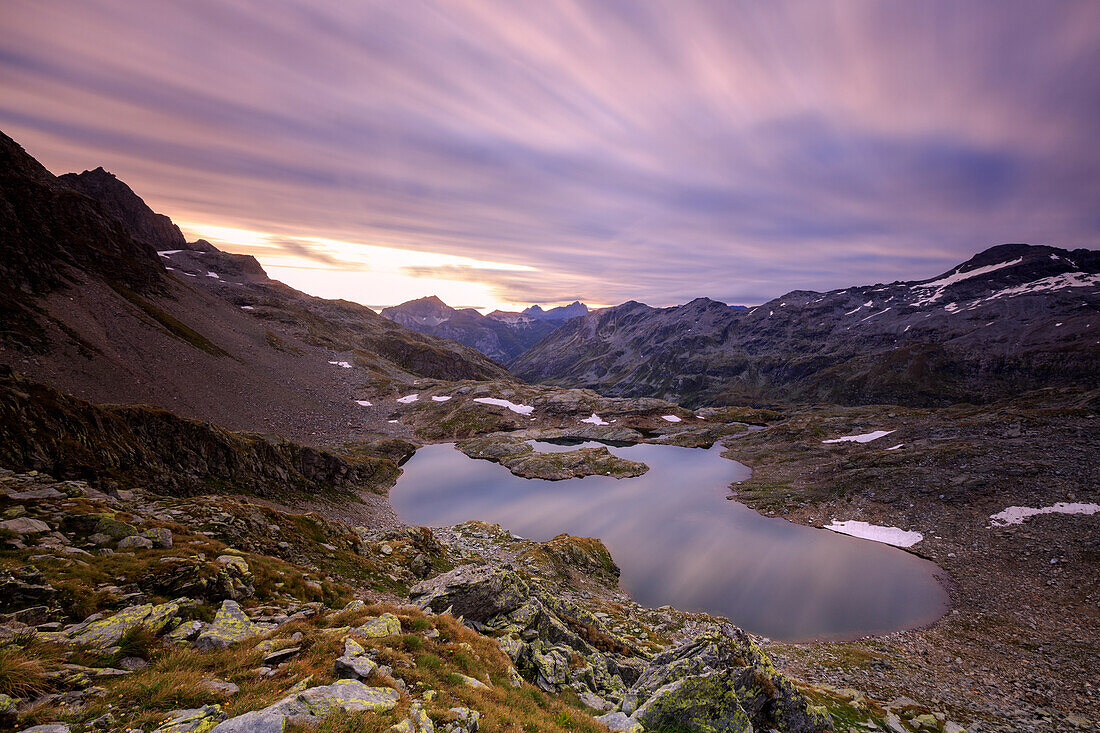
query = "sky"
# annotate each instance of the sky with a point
(501, 153)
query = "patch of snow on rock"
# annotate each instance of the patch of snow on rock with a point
(363, 403)
(409, 399)
(887, 535)
(250, 308)
(440, 398)
(864, 438)
(213, 275)
(670, 418)
(595, 419)
(521, 409)
(895, 447)
(1017, 514)
(342, 364)
(955, 277)
(168, 252)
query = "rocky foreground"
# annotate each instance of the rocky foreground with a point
(133, 611)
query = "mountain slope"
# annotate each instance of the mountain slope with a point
(1014, 317)
(499, 335)
(90, 310)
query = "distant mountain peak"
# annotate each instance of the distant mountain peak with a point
(561, 313)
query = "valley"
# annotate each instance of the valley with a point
(205, 525)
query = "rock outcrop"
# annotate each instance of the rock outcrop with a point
(719, 681)
(517, 455)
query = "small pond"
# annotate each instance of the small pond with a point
(679, 541)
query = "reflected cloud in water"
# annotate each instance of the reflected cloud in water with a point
(679, 542)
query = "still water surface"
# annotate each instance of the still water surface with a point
(679, 541)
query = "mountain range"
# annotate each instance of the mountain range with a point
(500, 335)
(1012, 318)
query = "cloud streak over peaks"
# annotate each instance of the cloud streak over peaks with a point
(620, 150)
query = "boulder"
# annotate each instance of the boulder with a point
(311, 705)
(720, 676)
(230, 626)
(24, 526)
(135, 542)
(475, 592)
(197, 720)
(379, 627)
(116, 529)
(160, 536)
(48, 728)
(620, 722)
(355, 668)
(106, 632)
(257, 721)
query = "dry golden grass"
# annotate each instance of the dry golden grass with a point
(24, 672)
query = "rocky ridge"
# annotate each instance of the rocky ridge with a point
(1013, 317)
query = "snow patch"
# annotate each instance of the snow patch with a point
(595, 419)
(1054, 282)
(887, 535)
(863, 438)
(213, 275)
(1017, 514)
(670, 418)
(168, 252)
(343, 364)
(521, 409)
(363, 403)
(854, 310)
(895, 447)
(440, 398)
(941, 284)
(409, 399)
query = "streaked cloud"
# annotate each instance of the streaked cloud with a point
(596, 149)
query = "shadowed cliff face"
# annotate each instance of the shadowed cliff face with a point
(48, 228)
(1013, 318)
(126, 207)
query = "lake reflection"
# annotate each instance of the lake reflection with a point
(680, 542)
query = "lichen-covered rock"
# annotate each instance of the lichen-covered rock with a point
(185, 633)
(230, 626)
(106, 632)
(619, 721)
(197, 720)
(475, 592)
(715, 677)
(542, 633)
(135, 542)
(257, 721)
(116, 529)
(352, 648)
(160, 536)
(354, 668)
(311, 705)
(468, 721)
(709, 703)
(379, 627)
(48, 728)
